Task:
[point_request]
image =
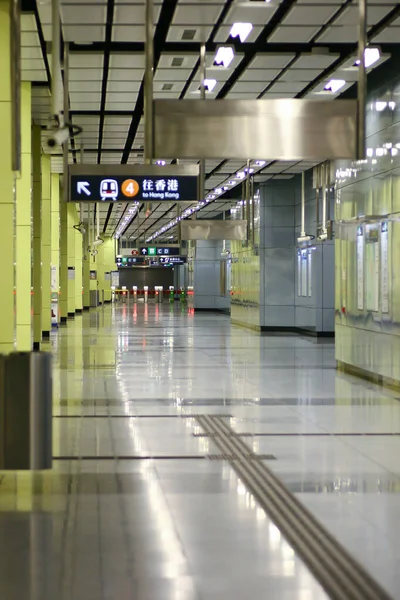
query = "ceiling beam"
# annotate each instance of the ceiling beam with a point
(263, 47)
(106, 66)
(160, 36)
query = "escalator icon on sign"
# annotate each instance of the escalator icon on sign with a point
(109, 189)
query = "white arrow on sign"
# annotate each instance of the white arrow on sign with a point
(83, 188)
(144, 251)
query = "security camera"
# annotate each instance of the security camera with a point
(304, 239)
(98, 241)
(81, 228)
(57, 137)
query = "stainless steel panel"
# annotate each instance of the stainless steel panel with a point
(149, 170)
(205, 229)
(26, 411)
(287, 129)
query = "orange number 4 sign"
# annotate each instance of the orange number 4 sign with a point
(130, 188)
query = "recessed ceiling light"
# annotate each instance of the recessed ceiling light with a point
(241, 175)
(224, 56)
(380, 105)
(260, 163)
(210, 84)
(241, 30)
(371, 56)
(334, 85)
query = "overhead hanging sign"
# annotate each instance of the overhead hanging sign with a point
(136, 183)
(159, 251)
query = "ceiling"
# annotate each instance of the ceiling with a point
(294, 49)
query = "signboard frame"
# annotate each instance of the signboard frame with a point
(110, 172)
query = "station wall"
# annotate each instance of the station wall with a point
(367, 304)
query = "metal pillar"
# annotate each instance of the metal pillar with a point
(202, 177)
(148, 93)
(56, 99)
(303, 205)
(148, 85)
(362, 80)
(66, 114)
(247, 201)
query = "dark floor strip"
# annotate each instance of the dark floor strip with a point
(123, 457)
(248, 434)
(333, 567)
(186, 416)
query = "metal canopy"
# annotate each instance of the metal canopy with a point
(207, 229)
(286, 129)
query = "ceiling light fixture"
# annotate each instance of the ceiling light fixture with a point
(334, 85)
(371, 56)
(160, 163)
(210, 84)
(260, 163)
(224, 56)
(241, 30)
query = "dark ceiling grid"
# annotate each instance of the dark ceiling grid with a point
(152, 224)
(214, 32)
(311, 44)
(389, 18)
(106, 65)
(164, 22)
(280, 13)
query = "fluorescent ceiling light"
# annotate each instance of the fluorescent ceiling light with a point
(209, 85)
(371, 56)
(260, 163)
(241, 30)
(224, 56)
(161, 163)
(241, 175)
(380, 105)
(334, 85)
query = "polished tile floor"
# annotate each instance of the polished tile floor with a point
(134, 508)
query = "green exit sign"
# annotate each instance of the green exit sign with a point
(152, 251)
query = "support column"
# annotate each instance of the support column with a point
(23, 227)
(109, 265)
(7, 318)
(78, 272)
(100, 272)
(55, 242)
(46, 246)
(37, 229)
(71, 221)
(86, 273)
(63, 262)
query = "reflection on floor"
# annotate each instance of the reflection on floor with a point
(133, 507)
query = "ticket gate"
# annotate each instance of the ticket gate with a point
(125, 294)
(146, 294)
(171, 294)
(134, 293)
(159, 291)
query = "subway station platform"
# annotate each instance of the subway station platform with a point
(140, 504)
